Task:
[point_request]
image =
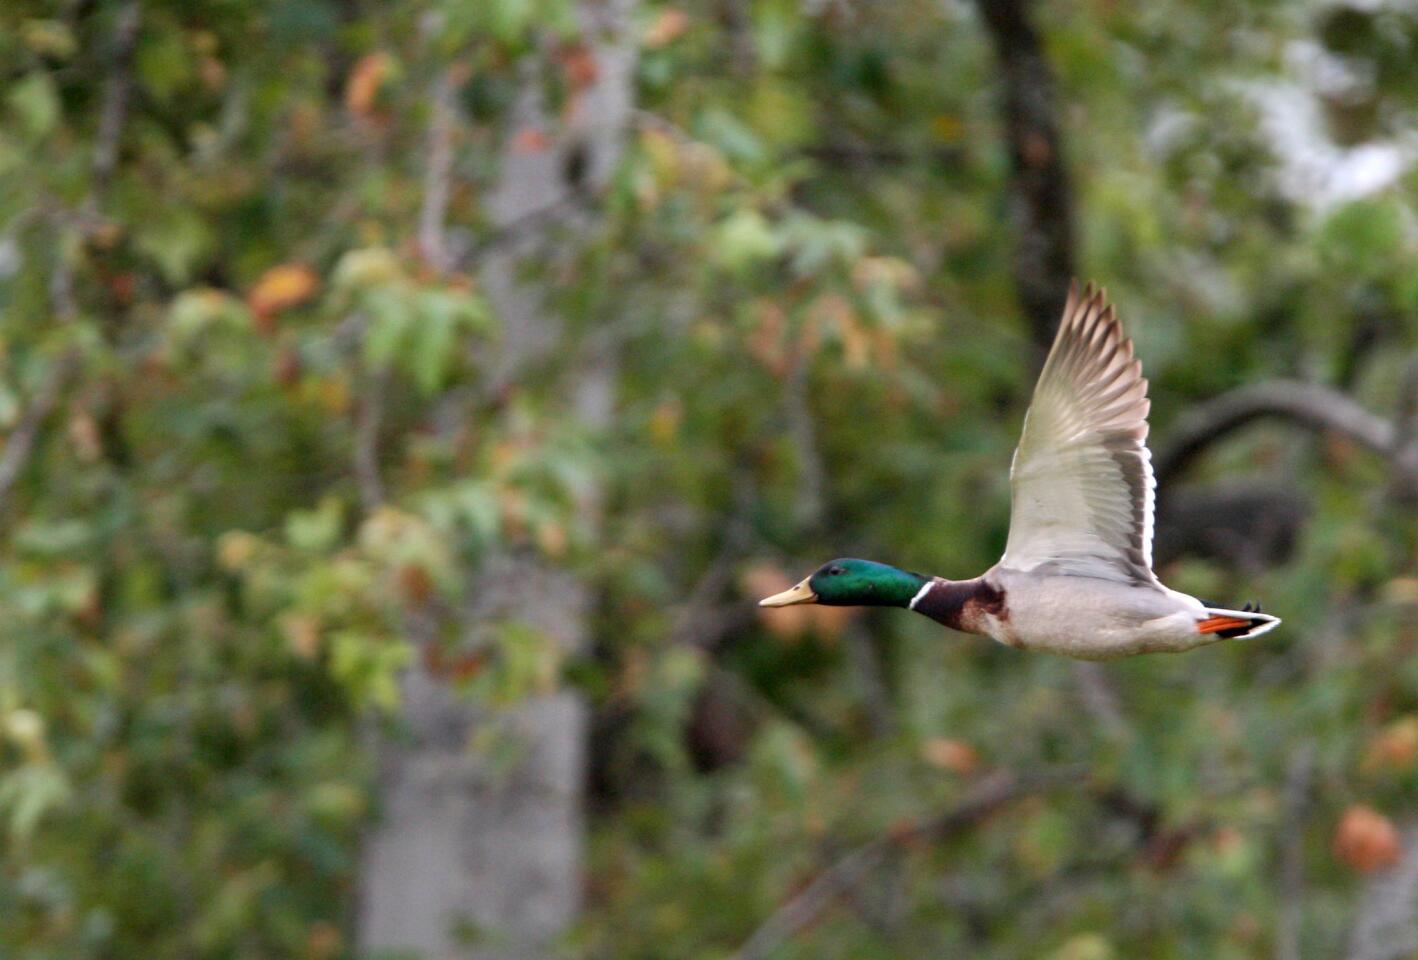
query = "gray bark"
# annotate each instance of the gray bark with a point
(478, 852)
(1386, 924)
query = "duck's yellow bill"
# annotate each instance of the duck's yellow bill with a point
(802, 593)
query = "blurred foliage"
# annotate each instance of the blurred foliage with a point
(802, 263)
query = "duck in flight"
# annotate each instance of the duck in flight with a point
(1076, 576)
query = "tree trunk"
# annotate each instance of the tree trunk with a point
(1040, 198)
(478, 852)
(1386, 920)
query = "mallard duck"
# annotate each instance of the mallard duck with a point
(1076, 576)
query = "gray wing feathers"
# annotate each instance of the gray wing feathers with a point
(1082, 475)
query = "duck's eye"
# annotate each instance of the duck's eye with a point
(835, 571)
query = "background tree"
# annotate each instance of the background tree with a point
(402, 405)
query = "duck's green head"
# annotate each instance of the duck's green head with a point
(853, 583)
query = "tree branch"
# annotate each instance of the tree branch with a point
(1041, 201)
(368, 414)
(528, 224)
(1310, 405)
(114, 109)
(1100, 700)
(1406, 418)
(1299, 780)
(871, 679)
(867, 155)
(438, 173)
(812, 474)
(989, 796)
(19, 445)
(690, 624)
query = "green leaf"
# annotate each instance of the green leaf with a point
(391, 316)
(194, 311)
(776, 24)
(318, 530)
(366, 268)
(1364, 235)
(434, 338)
(177, 238)
(50, 38)
(369, 666)
(735, 139)
(34, 102)
(164, 63)
(28, 793)
(54, 537)
(745, 238)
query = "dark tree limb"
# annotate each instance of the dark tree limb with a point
(1249, 525)
(19, 445)
(868, 155)
(870, 676)
(1299, 782)
(810, 502)
(1309, 405)
(847, 873)
(1041, 200)
(438, 169)
(1041, 211)
(1406, 419)
(1100, 700)
(369, 413)
(114, 109)
(696, 622)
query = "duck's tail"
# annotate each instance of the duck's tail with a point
(1243, 624)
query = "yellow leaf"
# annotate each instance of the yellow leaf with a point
(365, 80)
(235, 550)
(948, 127)
(302, 632)
(282, 287)
(668, 27)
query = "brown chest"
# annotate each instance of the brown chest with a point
(974, 606)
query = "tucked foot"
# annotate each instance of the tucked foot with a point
(1237, 624)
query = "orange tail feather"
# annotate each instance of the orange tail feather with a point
(1218, 624)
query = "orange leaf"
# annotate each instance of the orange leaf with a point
(280, 288)
(84, 434)
(786, 623)
(302, 633)
(552, 539)
(367, 76)
(1366, 840)
(286, 367)
(323, 941)
(415, 583)
(829, 622)
(767, 341)
(668, 27)
(578, 65)
(530, 140)
(665, 422)
(1395, 747)
(761, 579)
(957, 756)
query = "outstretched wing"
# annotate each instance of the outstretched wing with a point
(1082, 475)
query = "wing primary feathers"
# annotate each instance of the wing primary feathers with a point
(1082, 476)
